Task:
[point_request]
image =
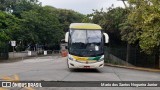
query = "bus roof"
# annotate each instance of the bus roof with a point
(89, 26)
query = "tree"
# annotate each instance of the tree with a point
(34, 24)
(145, 17)
(110, 22)
(5, 5)
(66, 17)
(41, 26)
(24, 5)
(142, 26)
(18, 6)
(8, 25)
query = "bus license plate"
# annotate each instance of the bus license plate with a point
(86, 66)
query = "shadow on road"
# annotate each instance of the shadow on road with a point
(85, 70)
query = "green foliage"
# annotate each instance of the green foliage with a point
(17, 6)
(66, 17)
(8, 25)
(87, 19)
(27, 22)
(145, 17)
(5, 5)
(41, 26)
(128, 33)
(24, 5)
(110, 22)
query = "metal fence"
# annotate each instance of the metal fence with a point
(117, 56)
(4, 53)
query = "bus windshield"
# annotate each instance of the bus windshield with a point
(86, 42)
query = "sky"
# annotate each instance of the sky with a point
(82, 6)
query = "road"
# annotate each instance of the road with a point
(54, 68)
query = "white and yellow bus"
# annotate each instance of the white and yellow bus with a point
(85, 45)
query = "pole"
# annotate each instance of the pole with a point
(13, 51)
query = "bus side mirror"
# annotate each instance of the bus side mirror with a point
(106, 37)
(66, 36)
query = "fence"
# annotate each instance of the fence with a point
(4, 52)
(117, 56)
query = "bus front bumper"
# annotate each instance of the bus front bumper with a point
(75, 64)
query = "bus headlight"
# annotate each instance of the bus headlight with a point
(70, 57)
(102, 58)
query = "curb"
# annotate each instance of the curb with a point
(134, 68)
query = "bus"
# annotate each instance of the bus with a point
(85, 45)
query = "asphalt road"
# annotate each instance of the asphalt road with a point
(54, 68)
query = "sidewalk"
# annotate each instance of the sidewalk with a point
(134, 68)
(14, 55)
(18, 56)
